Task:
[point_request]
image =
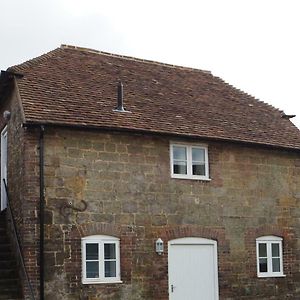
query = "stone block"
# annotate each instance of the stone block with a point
(159, 220)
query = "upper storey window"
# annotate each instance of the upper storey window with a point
(189, 161)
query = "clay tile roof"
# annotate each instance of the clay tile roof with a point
(78, 87)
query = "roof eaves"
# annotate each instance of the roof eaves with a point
(34, 123)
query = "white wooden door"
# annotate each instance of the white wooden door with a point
(193, 269)
(3, 167)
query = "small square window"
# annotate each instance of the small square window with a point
(269, 256)
(189, 161)
(100, 259)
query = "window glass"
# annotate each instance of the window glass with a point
(198, 154)
(180, 167)
(110, 268)
(92, 251)
(262, 249)
(275, 250)
(198, 169)
(109, 251)
(179, 153)
(92, 269)
(263, 265)
(276, 264)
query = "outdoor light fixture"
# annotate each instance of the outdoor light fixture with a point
(159, 246)
(6, 115)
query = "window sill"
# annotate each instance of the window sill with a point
(271, 275)
(102, 282)
(200, 178)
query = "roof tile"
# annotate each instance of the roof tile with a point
(78, 86)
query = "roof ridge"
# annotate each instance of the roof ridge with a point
(132, 58)
(34, 61)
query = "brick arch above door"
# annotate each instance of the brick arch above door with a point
(173, 232)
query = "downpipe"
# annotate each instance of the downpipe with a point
(41, 209)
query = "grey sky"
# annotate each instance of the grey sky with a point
(252, 44)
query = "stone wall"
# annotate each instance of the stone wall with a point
(125, 180)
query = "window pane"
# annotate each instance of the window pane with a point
(276, 264)
(263, 265)
(198, 154)
(109, 251)
(92, 251)
(179, 153)
(262, 250)
(92, 269)
(180, 167)
(198, 169)
(110, 268)
(275, 250)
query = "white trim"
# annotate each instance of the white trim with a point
(102, 237)
(3, 167)
(100, 240)
(192, 241)
(269, 240)
(189, 174)
(199, 241)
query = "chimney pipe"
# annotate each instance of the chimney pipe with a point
(120, 97)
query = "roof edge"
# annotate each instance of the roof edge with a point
(32, 62)
(272, 107)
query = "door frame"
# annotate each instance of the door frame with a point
(3, 168)
(197, 241)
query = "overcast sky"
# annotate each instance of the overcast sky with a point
(252, 44)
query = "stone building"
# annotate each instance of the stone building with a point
(132, 179)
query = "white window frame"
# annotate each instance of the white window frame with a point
(269, 240)
(100, 240)
(189, 174)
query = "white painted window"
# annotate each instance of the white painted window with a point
(189, 161)
(100, 259)
(269, 256)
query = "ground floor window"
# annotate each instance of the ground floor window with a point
(100, 259)
(269, 256)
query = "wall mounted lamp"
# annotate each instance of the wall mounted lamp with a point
(159, 246)
(6, 115)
